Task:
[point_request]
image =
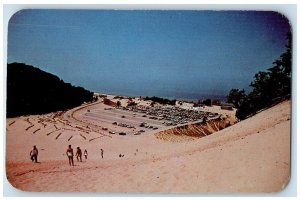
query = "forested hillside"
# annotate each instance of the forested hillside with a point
(33, 91)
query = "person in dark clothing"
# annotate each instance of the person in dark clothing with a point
(34, 154)
(79, 154)
(102, 151)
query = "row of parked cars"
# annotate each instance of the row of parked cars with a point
(124, 133)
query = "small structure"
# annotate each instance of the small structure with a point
(227, 106)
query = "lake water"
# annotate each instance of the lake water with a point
(178, 95)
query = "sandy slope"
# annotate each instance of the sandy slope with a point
(251, 156)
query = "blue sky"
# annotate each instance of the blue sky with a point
(163, 53)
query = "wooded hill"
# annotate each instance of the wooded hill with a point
(33, 91)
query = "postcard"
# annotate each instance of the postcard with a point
(148, 101)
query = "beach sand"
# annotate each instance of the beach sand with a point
(250, 156)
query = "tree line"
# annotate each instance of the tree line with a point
(268, 87)
(163, 101)
(33, 91)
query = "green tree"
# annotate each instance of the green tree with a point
(118, 103)
(267, 87)
(236, 97)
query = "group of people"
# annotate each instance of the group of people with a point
(78, 155)
(70, 154)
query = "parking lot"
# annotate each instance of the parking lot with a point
(123, 121)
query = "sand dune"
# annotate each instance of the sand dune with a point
(193, 131)
(250, 156)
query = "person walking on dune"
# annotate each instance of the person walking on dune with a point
(79, 154)
(70, 155)
(85, 153)
(102, 151)
(33, 154)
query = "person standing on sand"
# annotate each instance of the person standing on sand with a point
(85, 153)
(34, 153)
(70, 155)
(102, 151)
(79, 154)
